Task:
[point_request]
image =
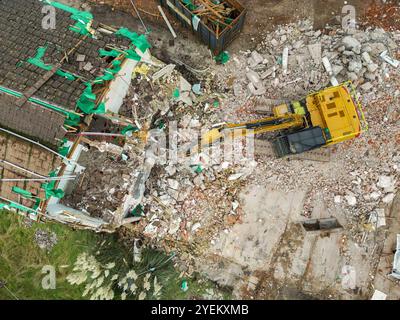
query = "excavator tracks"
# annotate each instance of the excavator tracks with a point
(264, 148)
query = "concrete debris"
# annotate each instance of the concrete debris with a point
(351, 200)
(88, 67)
(367, 86)
(185, 86)
(256, 91)
(255, 59)
(80, 58)
(393, 62)
(315, 52)
(372, 67)
(378, 218)
(329, 70)
(388, 198)
(378, 295)
(254, 78)
(349, 280)
(387, 183)
(274, 43)
(352, 44)
(164, 72)
(285, 60)
(196, 88)
(255, 86)
(338, 199)
(45, 240)
(268, 73)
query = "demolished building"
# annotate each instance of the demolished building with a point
(56, 84)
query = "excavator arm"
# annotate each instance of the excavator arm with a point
(270, 124)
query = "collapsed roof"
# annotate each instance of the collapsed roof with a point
(52, 81)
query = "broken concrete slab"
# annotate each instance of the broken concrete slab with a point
(367, 86)
(352, 44)
(184, 85)
(378, 295)
(315, 52)
(80, 58)
(164, 72)
(285, 60)
(255, 59)
(393, 62)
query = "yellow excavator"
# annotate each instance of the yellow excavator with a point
(321, 119)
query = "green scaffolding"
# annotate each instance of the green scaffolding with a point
(38, 59)
(139, 42)
(27, 195)
(106, 53)
(87, 101)
(22, 192)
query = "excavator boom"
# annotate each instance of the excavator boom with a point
(270, 124)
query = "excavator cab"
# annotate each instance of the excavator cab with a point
(333, 115)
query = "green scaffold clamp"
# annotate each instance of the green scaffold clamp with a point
(38, 62)
(50, 188)
(64, 148)
(129, 130)
(38, 59)
(109, 73)
(139, 42)
(87, 102)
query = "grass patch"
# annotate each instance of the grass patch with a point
(21, 262)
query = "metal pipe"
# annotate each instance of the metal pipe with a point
(22, 169)
(45, 179)
(167, 22)
(140, 18)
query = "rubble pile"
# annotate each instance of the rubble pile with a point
(104, 184)
(196, 198)
(190, 200)
(296, 60)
